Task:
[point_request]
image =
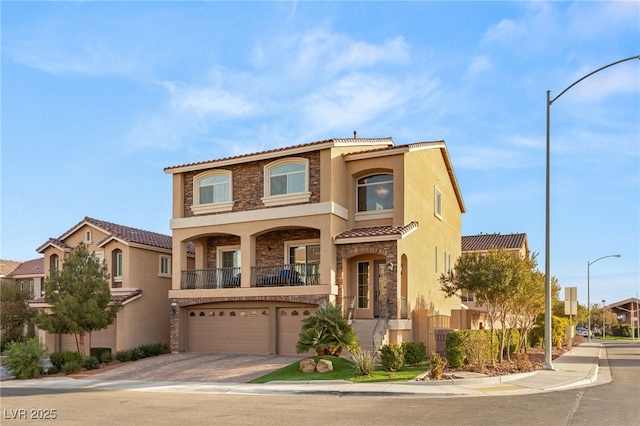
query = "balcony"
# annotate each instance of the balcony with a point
(193, 279)
(286, 275)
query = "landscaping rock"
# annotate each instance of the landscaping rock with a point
(308, 366)
(324, 365)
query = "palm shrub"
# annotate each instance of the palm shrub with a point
(24, 359)
(392, 357)
(326, 331)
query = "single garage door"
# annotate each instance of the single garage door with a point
(228, 330)
(289, 322)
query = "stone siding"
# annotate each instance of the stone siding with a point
(248, 183)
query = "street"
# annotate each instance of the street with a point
(613, 403)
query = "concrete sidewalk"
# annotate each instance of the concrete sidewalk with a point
(579, 367)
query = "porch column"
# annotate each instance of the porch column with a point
(248, 250)
(327, 259)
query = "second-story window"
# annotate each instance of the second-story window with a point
(375, 193)
(286, 182)
(117, 267)
(212, 192)
(287, 179)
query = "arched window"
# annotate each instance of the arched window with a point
(116, 268)
(212, 192)
(286, 182)
(54, 263)
(87, 236)
(375, 193)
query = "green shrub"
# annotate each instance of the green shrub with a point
(107, 357)
(414, 352)
(136, 354)
(511, 341)
(152, 349)
(392, 357)
(327, 331)
(11, 335)
(57, 360)
(71, 367)
(622, 330)
(455, 348)
(123, 355)
(91, 363)
(364, 362)
(24, 359)
(72, 356)
(53, 370)
(97, 352)
(436, 366)
(478, 350)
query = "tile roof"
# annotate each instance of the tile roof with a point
(351, 141)
(485, 242)
(129, 234)
(7, 266)
(54, 242)
(30, 267)
(377, 231)
(114, 297)
(409, 146)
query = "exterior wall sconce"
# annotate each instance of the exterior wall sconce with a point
(174, 307)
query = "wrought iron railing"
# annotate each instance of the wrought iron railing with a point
(382, 325)
(349, 308)
(292, 274)
(210, 278)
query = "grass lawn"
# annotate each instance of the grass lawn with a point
(342, 370)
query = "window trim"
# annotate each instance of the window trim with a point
(295, 243)
(374, 214)
(366, 298)
(160, 271)
(214, 207)
(88, 237)
(437, 202)
(289, 198)
(119, 262)
(221, 249)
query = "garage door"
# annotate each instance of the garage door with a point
(289, 322)
(228, 330)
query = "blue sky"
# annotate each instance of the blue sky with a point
(98, 98)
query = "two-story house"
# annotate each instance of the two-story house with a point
(139, 264)
(363, 223)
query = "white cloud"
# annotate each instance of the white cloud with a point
(506, 30)
(208, 101)
(479, 64)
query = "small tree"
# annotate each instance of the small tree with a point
(79, 296)
(14, 311)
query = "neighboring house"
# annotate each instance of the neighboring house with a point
(627, 311)
(139, 263)
(363, 223)
(30, 276)
(471, 316)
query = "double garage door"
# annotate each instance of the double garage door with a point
(260, 329)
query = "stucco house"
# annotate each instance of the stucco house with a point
(139, 263)
(627, 311)
(364, 223)
(470, 316)
(29, 274)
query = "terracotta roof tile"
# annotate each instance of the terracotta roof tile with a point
(30, 267)
(355, 141)
(485, 242)
(377, 231)
(8, 266)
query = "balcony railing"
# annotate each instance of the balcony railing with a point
(210, 278)
(296, 274)
(293, 274)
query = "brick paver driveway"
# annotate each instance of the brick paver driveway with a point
(198, 367)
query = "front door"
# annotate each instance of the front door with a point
(379, 286)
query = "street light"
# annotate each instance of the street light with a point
(547, 267)
(604, 333)
(589, 288)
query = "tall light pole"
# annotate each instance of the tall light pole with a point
(547, 267)
(589, 289)
(604, 333)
